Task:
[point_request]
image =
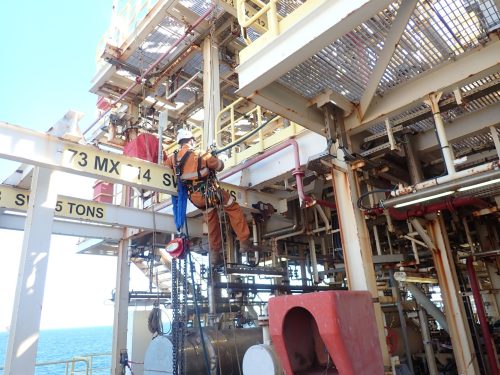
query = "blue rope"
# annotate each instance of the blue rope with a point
(180, 206)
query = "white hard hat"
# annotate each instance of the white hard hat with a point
(184, 134)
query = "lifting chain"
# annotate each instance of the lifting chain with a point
(179, 313)
(175, 317)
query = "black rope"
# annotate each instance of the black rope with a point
(244, 138)
(364, 195)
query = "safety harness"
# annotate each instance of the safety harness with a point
(208, 186)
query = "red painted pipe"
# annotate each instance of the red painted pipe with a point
(488, 342)
(421, 210)
(297, 172)
(138, 80)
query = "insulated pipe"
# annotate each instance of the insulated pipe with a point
(421, 210)
(470, 176)
(286, 230)
(426, 337)
(324, 218)
(255, 233)
(144, 75)
(492, 359)
(430, 307)
(314, 261)
(463, 175)
(297, 172)
(423, 234)
(433, 102)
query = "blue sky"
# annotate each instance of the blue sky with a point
(48, 60)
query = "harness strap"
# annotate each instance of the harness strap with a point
(198, 170)
(179, 166)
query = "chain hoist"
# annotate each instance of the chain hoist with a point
(179, 313)
(175, 317)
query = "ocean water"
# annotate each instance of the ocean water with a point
(64, 344)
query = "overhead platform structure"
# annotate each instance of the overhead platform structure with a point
(361, 139)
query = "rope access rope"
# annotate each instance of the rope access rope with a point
(245, 137)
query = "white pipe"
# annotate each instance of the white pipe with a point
(426, 337)
(413, 245)
(433, 102)
(440, 180)
(423, 234)
(323, 217)
(254, 233)
(263, 321)
(314, 261)
(390, 135)
(377, 240)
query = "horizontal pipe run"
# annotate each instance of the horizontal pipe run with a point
(424, 209)
(483, 254)
(448, 178)
(453, 185)
(272, 287)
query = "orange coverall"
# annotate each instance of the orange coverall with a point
(233, 210)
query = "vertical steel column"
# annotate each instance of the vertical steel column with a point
(426, 336)
(468, 235)
(28, 302)
(433, 102)
(414, 166)
(162, 125)
(211, 90)
(461, 340)
(355, 237)
(356, 246)
(120, 321)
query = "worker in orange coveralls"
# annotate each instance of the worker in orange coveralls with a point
(195, 169)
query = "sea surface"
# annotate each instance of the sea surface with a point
(64, 344)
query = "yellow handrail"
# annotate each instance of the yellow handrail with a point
(70, 364)
(277, 130)
(270, 10)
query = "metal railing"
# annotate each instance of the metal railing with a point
(77, 365)
(247, 20)
(230, 126)
(125, 19)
